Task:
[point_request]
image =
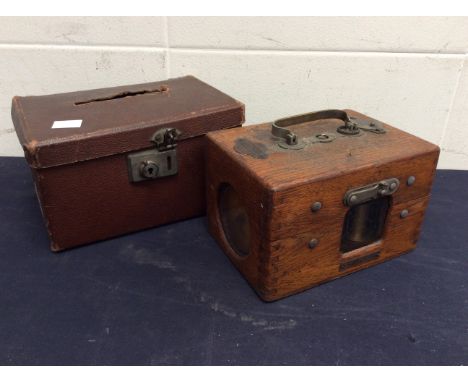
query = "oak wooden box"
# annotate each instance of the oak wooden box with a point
(279, 211)
(135, 161)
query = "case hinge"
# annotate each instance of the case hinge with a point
(156, 163)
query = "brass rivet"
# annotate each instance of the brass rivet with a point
(404, 214)
(313, 243)
(410, 180)
(316, 206)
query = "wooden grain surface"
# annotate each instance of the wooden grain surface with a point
(279, 186)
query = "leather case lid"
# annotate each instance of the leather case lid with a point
(117, 120)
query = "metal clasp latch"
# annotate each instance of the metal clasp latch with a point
(156, 163)
(371, 191)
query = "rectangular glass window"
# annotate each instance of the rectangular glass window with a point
(364, 224)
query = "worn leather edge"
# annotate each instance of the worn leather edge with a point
(21, 128)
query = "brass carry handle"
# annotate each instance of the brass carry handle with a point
(279, 128)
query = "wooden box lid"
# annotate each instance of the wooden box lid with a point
(257, 150)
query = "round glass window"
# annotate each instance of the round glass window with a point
(234, 219)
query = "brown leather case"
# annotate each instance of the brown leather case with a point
(82, 175)
(316, 200)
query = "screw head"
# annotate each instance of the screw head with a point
(404, 213)
(411, 180)
(316, 206)
(392, 186)
(352, 199)
(313, 243)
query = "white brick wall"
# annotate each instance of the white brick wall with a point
(410, 72)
